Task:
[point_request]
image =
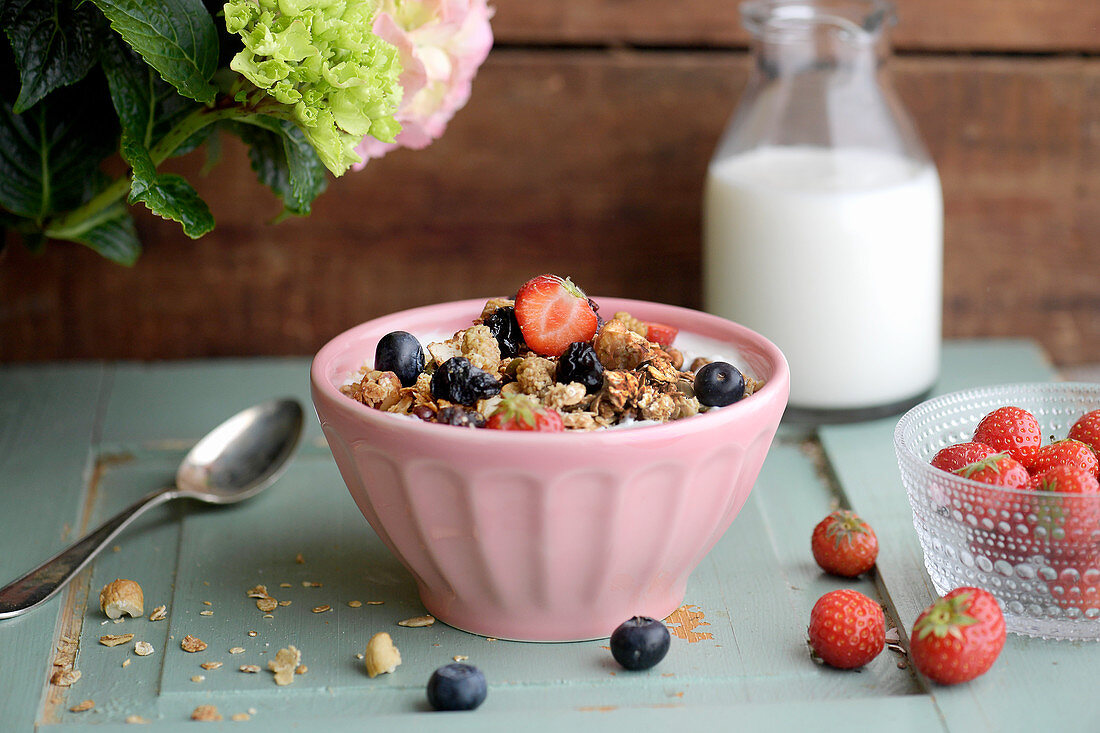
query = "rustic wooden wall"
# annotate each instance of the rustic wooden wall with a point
(583, 151)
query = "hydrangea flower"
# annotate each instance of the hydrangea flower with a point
(441, 45)
(321, 60)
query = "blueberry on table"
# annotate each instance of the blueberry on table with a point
(579, 363)
(503, 325)
(459, 381)
(718, 384)
(640, 643)
(457, 687)
(399, 352)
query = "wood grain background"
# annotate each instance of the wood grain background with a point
(583, 151)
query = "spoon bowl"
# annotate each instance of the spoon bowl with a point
(242, 456)
(233, 462)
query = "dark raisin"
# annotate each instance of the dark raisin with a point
(579, 363)
(505, 329)
(424, 412)
(461, 417)
(459, 381)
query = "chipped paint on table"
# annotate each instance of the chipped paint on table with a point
(79, 442)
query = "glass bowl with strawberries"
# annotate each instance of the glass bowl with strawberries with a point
(1003, 485)
(548, 464)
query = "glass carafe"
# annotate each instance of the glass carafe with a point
(823, 214)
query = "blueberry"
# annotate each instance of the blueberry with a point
(457, 687)
(719, 384)
(640, 643)
(399, 352)
(459, 381)
(503, 325)
(579, 363)
(461, 417)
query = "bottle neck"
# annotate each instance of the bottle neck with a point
(820, 48)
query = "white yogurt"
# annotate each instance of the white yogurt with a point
(836, 256)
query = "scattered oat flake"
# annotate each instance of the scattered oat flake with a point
(322, 608)
(358, 656)
(417, 621)
(65, 677)
(143, 649)
(284, 603)
(237, 650)
(207, 603)
(240, 717)
(250, 668)
(252, 633)
(375, 603)
(118, 620)
(310, 584)
(268, 615)
(159, 613)
(206, 713)
(210, 665)
(116, 548)
(285, 585)
(198, 678)
(267, 604)
(192, 644)
(299, 559)
(460, 657)
(115, 639)
(259, 591)
(301, 669)
(80, 708)
(206, 613)
(355, 604)
(136, 719)
(126, 662)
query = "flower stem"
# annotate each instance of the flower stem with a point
(100, 207)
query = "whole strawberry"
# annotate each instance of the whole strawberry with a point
(958, 637)
(999, 471)
(522, 412)
(847, 629)
(552, 312)
(957, 456)
(843, 544)
(1010, 429)
(1072, 517)
(1087, 430)
(1068, 452)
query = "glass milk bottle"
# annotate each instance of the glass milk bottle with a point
(823, 215)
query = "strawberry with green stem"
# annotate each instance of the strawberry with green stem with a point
(958, 637)
(523, 412)
(844, 544)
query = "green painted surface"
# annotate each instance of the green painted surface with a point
(755, 589)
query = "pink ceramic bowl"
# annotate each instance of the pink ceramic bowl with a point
(548, 537)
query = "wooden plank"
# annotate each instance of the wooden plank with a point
(754, 589)
(563, 154)
(48, 419)
(1015, 694)
(986, 25)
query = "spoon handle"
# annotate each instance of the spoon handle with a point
(40, 584)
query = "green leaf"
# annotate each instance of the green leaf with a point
(146, 105)
(175, 37)
(116, 239)
(49, 156)
(54, 44)
(166, 195)
(284, 160)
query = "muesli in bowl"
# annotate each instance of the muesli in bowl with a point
(547, 361)
(548, 536)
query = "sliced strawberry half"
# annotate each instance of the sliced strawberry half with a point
(552, 313)
(661, 333)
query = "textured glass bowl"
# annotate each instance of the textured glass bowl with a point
(1038, 552)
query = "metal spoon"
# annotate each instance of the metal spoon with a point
(235, 461)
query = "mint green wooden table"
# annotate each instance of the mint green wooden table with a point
(79, 442)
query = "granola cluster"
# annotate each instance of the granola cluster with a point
(641, 380)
